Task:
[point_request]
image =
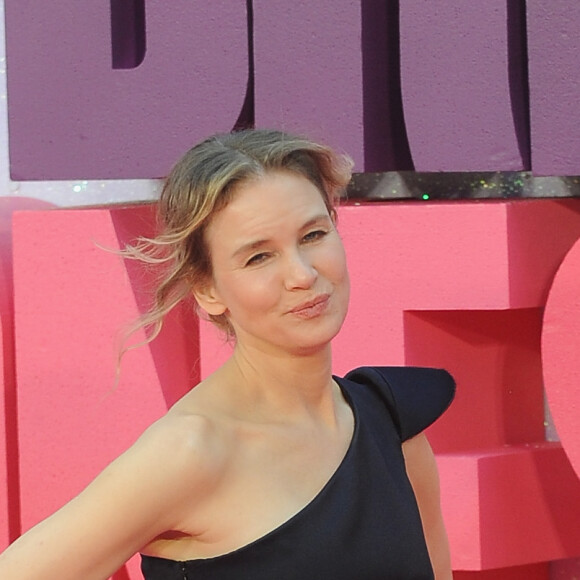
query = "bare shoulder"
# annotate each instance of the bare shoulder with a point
(140, 495)
(168, 471)
(182, 432)
(184, 448)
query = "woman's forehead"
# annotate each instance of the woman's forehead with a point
(276, 200)
(273, 191)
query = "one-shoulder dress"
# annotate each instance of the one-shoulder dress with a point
(364, 523)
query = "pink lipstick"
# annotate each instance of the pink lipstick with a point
(311, 308)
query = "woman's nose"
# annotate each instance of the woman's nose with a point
(300, 272)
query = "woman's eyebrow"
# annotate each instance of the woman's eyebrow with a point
(324, 217)
(257, 244)
(250, 247)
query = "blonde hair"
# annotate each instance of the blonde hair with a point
(201, 184)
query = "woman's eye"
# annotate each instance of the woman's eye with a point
(314, 235)
(256, 259)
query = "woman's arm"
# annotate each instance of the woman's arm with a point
(136, 498)
(423, 475)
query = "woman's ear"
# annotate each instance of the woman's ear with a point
(333, 216)
(208, 298)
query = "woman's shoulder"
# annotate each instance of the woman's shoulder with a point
(191, 444)
(156, 485)
(172, 467)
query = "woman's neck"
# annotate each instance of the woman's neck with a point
(280, 385)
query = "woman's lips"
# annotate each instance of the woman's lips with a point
(311, 308)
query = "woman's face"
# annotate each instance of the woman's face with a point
(279, 268)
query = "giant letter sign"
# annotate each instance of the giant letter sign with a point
(463, 87)
(554, 44)
(72, 299)
(9, 468)
(73, 116)
(327, 69)
(561, 353)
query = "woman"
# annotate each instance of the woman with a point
(270, 467)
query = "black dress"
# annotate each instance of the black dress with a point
(364, 523)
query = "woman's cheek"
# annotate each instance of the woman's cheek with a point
(335, 260)
(260, 287)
